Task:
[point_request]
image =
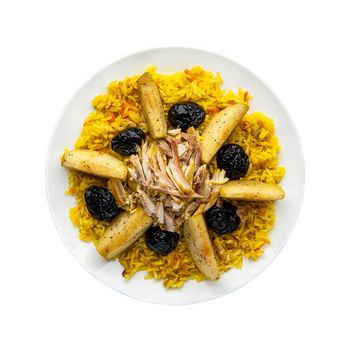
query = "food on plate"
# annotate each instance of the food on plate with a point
(126, 142)
(223, 219)
(172, 177)
(219, 129)
(161, 241)
(152, 106)
(251, 191)
(186, 114)
(232, 158)
(94, 162)
(100, 203)
(126, 228)
(200, 246)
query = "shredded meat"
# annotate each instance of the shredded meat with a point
(170, 224)
(160, 213)
(124, 198)
(171, 183)
(199, 179)
(147, 203)
(164, 146)
(243, 215)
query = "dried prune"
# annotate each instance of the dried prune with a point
(223, 220)
(125, 143)
(186, 114)
(100, 203)
(232, 158)
(161, 241)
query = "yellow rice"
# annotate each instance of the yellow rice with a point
(118, 109)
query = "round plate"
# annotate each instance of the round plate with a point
(169, 60)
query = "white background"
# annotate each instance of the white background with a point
(49, 49)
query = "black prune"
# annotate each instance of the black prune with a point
(223, 220)
(232, 158)
(161, 241)
(125, 143)
(186, 114)
(100, 203)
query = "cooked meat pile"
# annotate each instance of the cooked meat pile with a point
(171, 185)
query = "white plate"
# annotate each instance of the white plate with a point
(170, 60)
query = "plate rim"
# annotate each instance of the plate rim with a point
(205, 52)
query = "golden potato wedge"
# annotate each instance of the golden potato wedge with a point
(152, 106)
(251, 191)
(200, 247)
(219, 129)
(123, 231)
(95, 163)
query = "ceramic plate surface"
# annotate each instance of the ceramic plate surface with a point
(170, 60)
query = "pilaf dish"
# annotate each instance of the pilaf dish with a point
(171, 176)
